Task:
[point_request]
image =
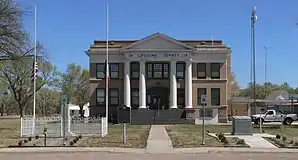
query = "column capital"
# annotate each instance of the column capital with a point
(174, 61)
(142, 61)
(188, 61)
(127, 61)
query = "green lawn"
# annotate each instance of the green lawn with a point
(137, 136)
(187, 136)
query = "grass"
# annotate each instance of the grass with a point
(188, 136)
(9, 131)
(136, 137)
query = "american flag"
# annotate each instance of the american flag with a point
(34, 72)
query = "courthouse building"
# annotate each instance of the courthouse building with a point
(161, 73)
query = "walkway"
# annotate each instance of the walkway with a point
(256, 141)
(159, 140)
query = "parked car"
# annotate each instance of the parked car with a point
(274, 116)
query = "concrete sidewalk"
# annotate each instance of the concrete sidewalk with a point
(257, 141)
(159, 140)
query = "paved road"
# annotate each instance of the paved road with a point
(134, 156)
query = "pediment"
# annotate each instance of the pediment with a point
(158, 41)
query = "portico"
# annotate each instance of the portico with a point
(160, 73)
(171, 59)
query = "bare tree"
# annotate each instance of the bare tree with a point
(75, 84)
(48, 101)
(18, 73)
(13, 37)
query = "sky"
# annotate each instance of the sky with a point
(68, 27)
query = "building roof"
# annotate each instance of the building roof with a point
(123, 43)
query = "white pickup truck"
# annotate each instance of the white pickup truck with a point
(274, 116)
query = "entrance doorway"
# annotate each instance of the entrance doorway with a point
(158, 98)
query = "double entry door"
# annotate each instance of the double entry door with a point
(157, 98)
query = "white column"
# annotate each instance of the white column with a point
(188, 85)
(142, 86)
(173, 89)
(127, 84)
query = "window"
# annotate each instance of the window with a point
(135, 70)
(135, 97)
(100, 70)
(208, 112)
(157, 70)
(165, 70)
(114, 96)
(215, 70)
(270, 113)
(200, 92)
(114, 70)
(215, 96)
(100, 96)
(180, 70)
(201, 69)
(149, 70)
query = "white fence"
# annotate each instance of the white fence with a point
(57, 126)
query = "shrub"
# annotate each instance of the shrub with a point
(220, 135)
(226, 141)
(71, 143)
(295, 143)
(26, 141)
(284, 138)
(80, 137)
(20, 143)
(240, 141)
(37, 136)
(223, 139)
(277, 136)
(77, 138)
(74, 141)
(208, 131)
(29, 138)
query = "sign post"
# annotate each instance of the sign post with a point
(64, 102)
(124, 116)
(204, 103)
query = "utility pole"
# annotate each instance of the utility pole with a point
(253, 52)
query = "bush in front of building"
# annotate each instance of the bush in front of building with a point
(240, 142)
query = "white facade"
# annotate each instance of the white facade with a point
(159, 47)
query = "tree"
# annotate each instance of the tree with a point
(263, 90)
(13, 37)
(18, 73)
(234, 86)
(75, 84)
(47, 101)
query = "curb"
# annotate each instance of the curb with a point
(71, 149)
(238, 150)
(144, 151)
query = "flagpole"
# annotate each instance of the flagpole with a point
(34, 82)
(107, 65)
